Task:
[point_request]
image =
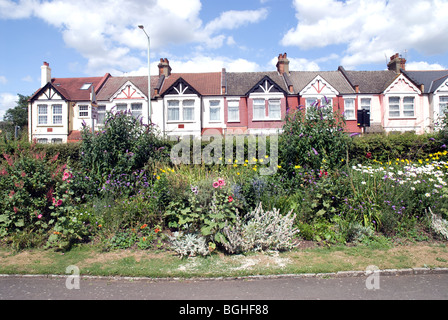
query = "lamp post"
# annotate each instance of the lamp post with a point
(149, 75)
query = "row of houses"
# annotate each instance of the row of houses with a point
(239, 102)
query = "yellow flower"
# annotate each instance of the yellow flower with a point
(297, 167)
(238, 173)
(235, 165)
(266, 156)
(279, 167)
(261, 160)
(158, 177)
(254, 168)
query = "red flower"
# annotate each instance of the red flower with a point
(156, 230)
(230, 198)
(369, 155)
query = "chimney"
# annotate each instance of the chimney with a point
(396, 63)
(223, 81)
(164, 67)
(45, 74)
(282, 64)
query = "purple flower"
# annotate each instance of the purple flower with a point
(443, 146)
(354, 134)
(315, 152)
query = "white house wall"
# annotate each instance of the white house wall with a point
(49, 131)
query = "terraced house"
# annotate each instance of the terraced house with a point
(239, 102)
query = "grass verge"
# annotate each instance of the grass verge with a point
(165, 264)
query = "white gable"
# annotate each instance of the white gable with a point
(128, 92)
(402, 85)
(50, 94)
(443, 88)
(319, 87)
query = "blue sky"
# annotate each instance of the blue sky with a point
(84, 38)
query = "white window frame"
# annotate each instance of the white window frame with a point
(352, 108)
(235, 106)
(101, 115)
(183, 107)
(443, 105)
(42, 115)
(83, 113)
(258, 105)
(137, 109)
(215, 105)
(277, 103)
(57, 114)
(401, 107)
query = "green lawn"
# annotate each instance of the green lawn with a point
(161, 264)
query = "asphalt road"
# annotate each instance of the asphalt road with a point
(373, 287)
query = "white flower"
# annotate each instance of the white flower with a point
(363, 182)
(427, 195)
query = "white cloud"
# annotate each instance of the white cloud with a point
(105, 32)
(423, 65)
(296, 64)
(234, 19)
(202, 63)
(7, 101)
(370, 29)
(3, 80)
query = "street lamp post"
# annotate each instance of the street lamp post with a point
(149, 75)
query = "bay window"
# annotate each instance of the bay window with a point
(401, 107)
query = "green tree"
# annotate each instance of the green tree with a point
(19, 114)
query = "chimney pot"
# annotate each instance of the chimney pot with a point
(164, 67)
(283, 64)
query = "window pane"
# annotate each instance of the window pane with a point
(57, 119)
(443, 105)
(173, 110)
(136, 109)
(215, 111)
(274, 109)
(349, 109)
(233, 111)
(122, 107)
(42, 109)
(408, 106)
(42, 120)
(259, 109)
(83, 111)
(188, 113)
(394, 107)
(214, 114)
(57, 109)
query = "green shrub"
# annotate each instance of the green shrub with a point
(123, 146)
(311, 137)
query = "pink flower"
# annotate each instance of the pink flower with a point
(66, 175)
(215, 184)
(230, 198)
(221, 182)
(59, 203)
(39, 216)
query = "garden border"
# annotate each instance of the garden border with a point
(339, 274)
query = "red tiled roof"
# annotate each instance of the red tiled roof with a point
(71, 87)
(207, 84)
